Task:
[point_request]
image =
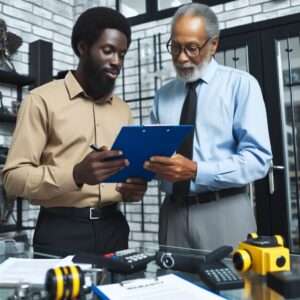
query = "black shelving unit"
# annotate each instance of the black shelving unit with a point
(8, 118)
(17, 80)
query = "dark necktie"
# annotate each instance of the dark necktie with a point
(188, 116)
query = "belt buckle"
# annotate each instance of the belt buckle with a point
(91, 214)
(191, 200)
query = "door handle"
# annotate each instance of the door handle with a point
(271, 177)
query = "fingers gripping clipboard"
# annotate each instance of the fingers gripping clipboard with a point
(139, 143)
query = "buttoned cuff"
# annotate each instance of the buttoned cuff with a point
(205, 173)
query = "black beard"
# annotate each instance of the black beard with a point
(98, 85)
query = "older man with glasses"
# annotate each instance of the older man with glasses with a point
(207, 203)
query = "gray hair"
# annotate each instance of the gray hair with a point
(199, 10)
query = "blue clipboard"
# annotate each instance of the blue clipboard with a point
(139, 143)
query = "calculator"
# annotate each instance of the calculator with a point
(217, 276)
(128, 260)
(123, 261)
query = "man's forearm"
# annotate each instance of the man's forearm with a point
(38, 183)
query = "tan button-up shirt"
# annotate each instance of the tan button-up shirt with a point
(56, 124)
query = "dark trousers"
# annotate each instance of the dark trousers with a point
(62, 235)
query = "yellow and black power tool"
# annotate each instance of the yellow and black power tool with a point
(262, 254)
(65, 283)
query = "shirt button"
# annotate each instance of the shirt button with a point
(102, 184)
(97, 124)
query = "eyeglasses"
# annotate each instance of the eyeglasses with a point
(191, 51)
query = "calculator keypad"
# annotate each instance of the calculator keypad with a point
(128, 260)
(220, 277)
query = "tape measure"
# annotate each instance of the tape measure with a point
(64, 283)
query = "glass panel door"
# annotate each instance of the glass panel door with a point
(236, 58)
(288, 65)
(281, 64)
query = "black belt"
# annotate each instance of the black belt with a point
(86, 212)
(206, 197)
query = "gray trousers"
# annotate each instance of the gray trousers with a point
(206, 226)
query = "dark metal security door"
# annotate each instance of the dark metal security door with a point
(270, 51)
(281, 65)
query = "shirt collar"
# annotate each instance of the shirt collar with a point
(72, 85)
(209, 71)
(75, 89)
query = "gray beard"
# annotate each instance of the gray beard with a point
(193, 75)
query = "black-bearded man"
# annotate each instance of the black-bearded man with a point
(50, 161)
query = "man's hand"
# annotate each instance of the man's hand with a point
(173, 169)
(133, 189)
(96, 167)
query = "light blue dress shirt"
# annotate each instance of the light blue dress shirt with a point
(231, 140)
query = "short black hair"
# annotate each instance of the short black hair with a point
(91, 22)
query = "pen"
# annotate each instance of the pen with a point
(95, 147)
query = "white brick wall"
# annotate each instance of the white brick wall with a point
(48, 20)
(52, 20)
(236, 4)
